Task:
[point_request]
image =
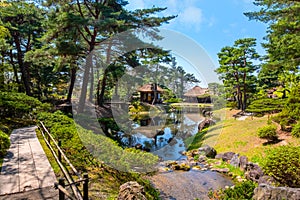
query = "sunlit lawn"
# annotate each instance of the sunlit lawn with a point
(241, 136)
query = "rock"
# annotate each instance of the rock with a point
(219, 156)
(197, 167)
(139, 146)
(202, 158)
(267, 192)
(205, 124)
(243, 162)
(208, 151)
(235, 161)
(179, 166)
(220, 170)
(227, 156)
(131, 191)
(253, 172)
(266, 180)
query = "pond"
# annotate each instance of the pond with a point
(163, 134)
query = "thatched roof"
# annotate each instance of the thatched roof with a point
(196, 91)
(147, 88)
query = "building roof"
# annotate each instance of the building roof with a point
(148, 88)
(196, 91)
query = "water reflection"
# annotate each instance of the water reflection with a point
(163, 134)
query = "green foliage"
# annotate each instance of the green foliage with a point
(291, 111)
(108, 123)
(241, 191)
(76, 141)
(109, 152)
(218, 102)
(296, 130)
(266, 105)
(237, 69)
(268, 132)
(234, 170)
(18, 105)
(173, 100)
(4, 143)
(283, 163)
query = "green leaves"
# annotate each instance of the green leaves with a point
(283, 40)
(283, 163)
(237, 69)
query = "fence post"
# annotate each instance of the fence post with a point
(86, 187)
(61, 195)
(58, 151)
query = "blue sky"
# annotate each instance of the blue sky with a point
(213, 24)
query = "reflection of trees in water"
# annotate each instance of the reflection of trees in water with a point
(180, 125)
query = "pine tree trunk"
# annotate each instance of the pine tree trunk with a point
(72, 83)
(85, 82)
(24, 67)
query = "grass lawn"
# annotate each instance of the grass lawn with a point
(241, 136)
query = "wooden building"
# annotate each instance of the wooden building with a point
(197, 95)
(150, 93)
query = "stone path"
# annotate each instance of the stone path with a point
(26, 166)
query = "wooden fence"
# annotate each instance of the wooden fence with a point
(63, 162)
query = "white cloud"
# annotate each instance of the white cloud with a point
(189, 13)
(191, 16)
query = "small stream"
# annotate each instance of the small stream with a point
(189, 185)
(165, 136)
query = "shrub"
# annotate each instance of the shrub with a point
(20, 105)
(4, 143)
(296, 130)
(283, 164)
(268, 132)
(266, 105)
(243, 190)
(173, 100)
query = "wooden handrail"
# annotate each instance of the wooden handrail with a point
(62, 153)
(70, 180)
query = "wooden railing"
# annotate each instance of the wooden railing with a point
(60, 157)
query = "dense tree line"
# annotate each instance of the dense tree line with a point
(43, 42)
(245, 80)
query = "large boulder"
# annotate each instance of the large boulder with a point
(205, 124)
(207, 151)
(227, 156)
(131, 191)
(243, 163)
(219, 156)
(267, 192)
(267, 180)
(235, 161)
(253, 172)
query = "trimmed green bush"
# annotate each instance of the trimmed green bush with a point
(4, 143)
(283, 164)
(268, 132)
(266, 105)
(242, 191)
(296, 130)
(18, 105)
